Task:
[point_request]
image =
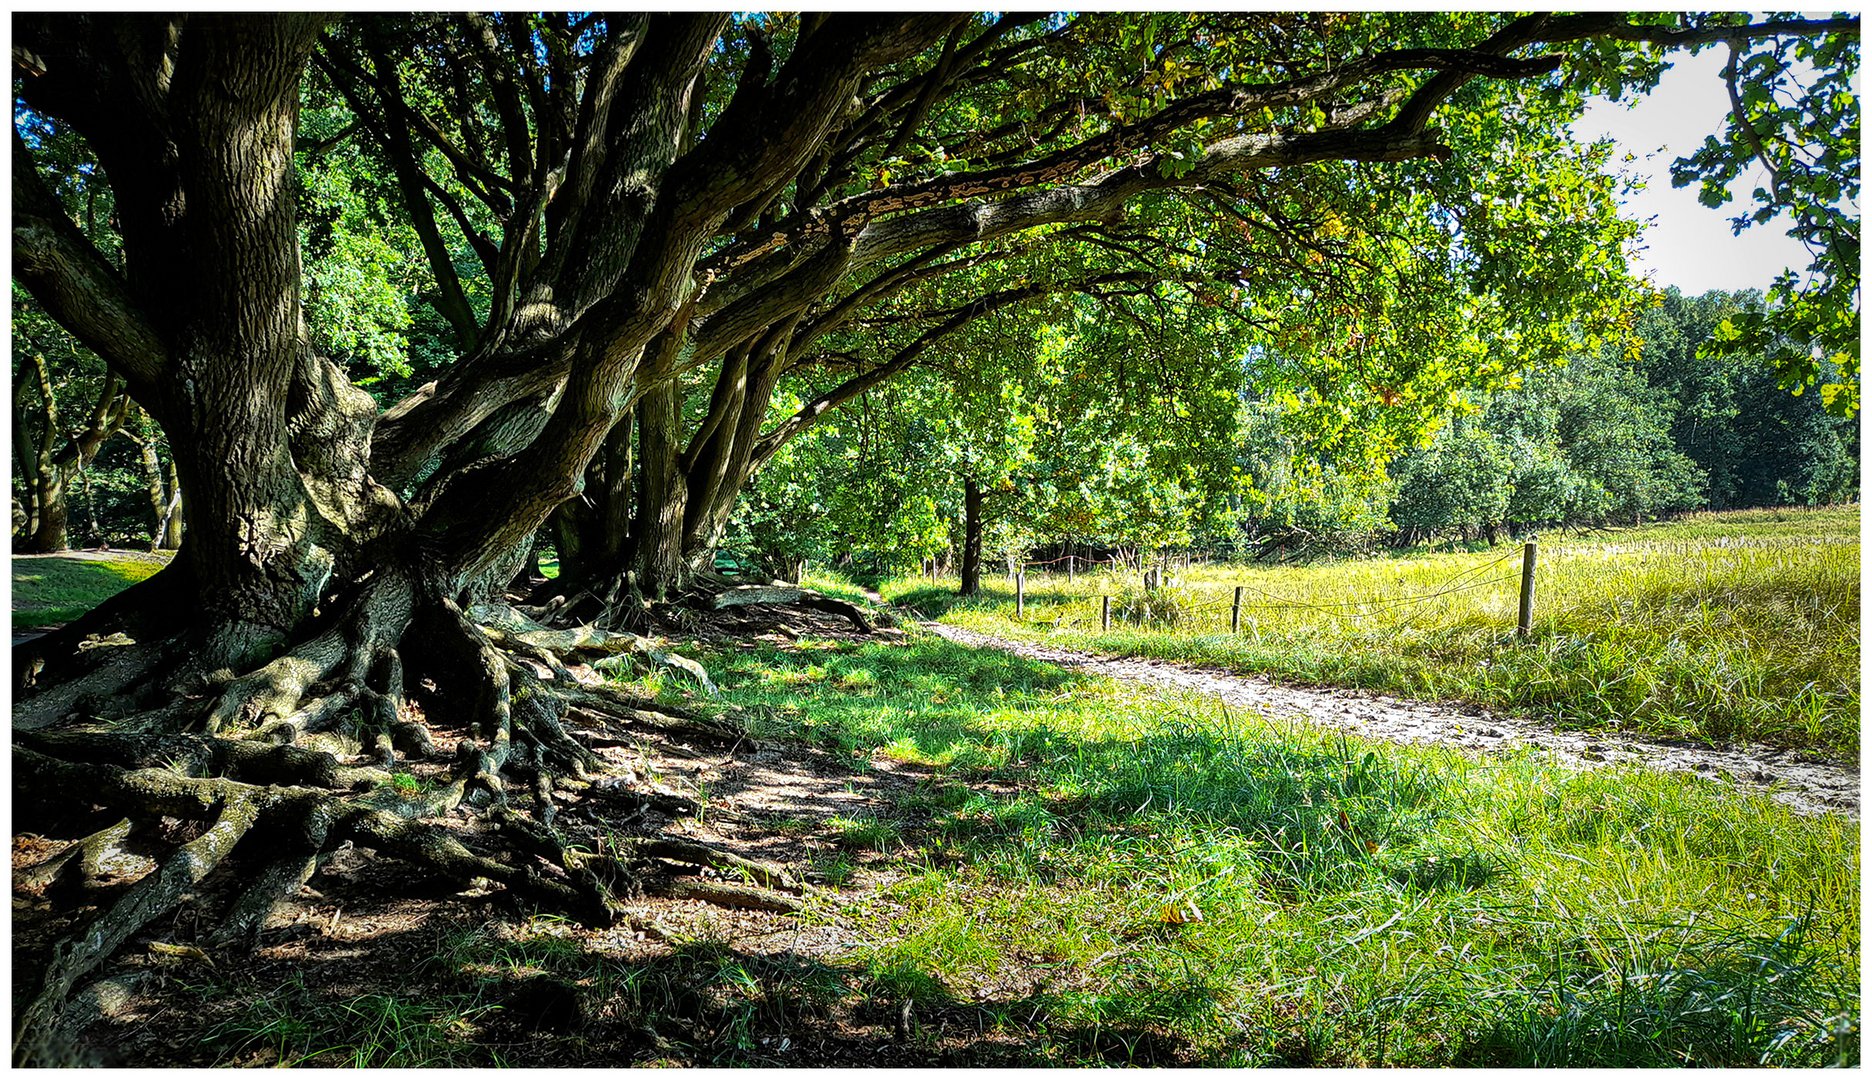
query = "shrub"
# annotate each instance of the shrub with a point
(1162, 607)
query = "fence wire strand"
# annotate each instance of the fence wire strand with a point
(1275, 601)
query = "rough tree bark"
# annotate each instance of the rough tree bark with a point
(335, 602)
(971, 536)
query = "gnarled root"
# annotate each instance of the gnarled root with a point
(148, 898)
(314, 749)
(87, 859)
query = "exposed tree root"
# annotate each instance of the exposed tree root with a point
(248, 913)
(734, 896)
(87, 858)
(688, 851)
(313, 749)
(148, 898)
(117, 669)
(744, 595)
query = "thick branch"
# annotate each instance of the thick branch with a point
(76, 286)
(394, 138)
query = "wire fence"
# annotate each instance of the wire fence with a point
(1475, 577)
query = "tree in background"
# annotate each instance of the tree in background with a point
(1458, 483)
(634, 228)
(1104, 418)
(1759, 445)
(1612, 437)
(65, 405)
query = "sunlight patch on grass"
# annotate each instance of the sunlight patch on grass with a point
(1279, 894)
(51, 589)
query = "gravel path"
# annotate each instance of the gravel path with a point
(1808, 784)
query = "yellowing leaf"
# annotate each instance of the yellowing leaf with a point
(180, 952)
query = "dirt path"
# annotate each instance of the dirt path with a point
(1806, 783)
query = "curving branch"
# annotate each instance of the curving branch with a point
(762, 144)
(72, 281)
(956, 319)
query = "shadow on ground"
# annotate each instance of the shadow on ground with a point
(939, 755)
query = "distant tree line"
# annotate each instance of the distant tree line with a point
(1061, 455)
(1612, 438)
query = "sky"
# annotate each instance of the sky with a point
(1690, 245)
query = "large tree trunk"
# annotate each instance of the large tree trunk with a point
(592, 534)
(165, 494)
(971, 536)
(25, 454)
(52, 532)
(230, 278)
(172, 510)
(46, 481)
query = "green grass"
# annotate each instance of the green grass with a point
(1093, 874)
(1170, 870)
(50, 589)
(297, 1024)
(1717, 627)
(1089, 874)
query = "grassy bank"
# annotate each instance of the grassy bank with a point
(52, 589)
(1722, 627)
(1056, 869)
(1176, 875)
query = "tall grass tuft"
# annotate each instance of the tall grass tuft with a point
(1160, 608)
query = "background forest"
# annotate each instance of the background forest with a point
(1063, 451)
(1649, 428)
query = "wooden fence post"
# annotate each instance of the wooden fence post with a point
(1105, 613)
(1069, 569)
(1020, 595)
(1526, 624)
(1235, 613)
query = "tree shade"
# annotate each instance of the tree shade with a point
(634, 227)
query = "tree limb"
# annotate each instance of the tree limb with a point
(76, 286)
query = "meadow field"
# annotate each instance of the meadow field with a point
(1726, 627)
(51, 589)
(1099, 873)
(1205, 886)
